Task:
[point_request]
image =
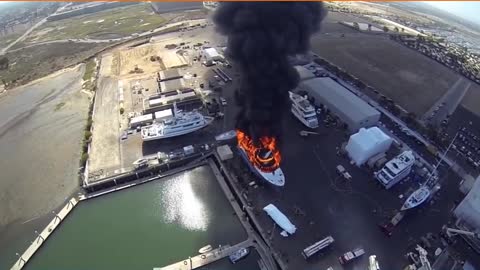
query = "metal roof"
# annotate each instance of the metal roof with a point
(339, 97)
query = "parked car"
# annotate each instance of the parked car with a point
(351, 255)
(223, 101)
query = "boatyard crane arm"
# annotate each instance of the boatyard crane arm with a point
(451, 231)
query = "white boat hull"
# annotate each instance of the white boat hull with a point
(275, 178)
(416, 198)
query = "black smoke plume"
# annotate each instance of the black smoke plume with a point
(261, 37)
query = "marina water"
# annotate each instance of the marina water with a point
(147, 226)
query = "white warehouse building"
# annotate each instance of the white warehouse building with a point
(351, 109)
(211, 54)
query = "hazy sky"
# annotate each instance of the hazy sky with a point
(467, 10)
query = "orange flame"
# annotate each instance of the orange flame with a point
(266, 156)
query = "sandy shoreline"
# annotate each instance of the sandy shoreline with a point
(41, 129)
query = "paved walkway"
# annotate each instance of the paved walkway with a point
(265, 251)
(42, 237)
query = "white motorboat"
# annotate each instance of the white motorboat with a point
(205, 249)
(304, 112)
(229, 135)
(180, 123)
(239, 254)
(416, 198)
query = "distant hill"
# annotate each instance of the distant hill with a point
(433, 11)
(14, 7)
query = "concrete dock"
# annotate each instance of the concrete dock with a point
(206, 258)
(42, 236)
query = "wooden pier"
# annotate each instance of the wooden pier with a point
(206, 258)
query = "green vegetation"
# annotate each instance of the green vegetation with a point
(89, 69)
(106, 24)
(84, 158)
(122, 110)
(59, 106)
(89, 74)
(87, 135)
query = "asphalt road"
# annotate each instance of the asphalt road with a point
(448, 103)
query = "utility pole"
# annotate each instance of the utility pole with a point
(431, 180)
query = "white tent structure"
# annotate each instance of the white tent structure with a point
(367, 143)
(280, 218)
(212, 54)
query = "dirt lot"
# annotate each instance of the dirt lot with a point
(409, 78)
(125, 60)
(35, 62)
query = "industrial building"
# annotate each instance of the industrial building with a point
(351, 109)
(304, 73)
(211, 54)
(468, 213)
(170, 80)
(169, 74)
(141, 120)
(171, 85)
(165, 100)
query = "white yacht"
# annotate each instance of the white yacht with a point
(396, 169)
(274, 177)
(180, 123)
(303, 110)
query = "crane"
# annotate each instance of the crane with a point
(452, 232)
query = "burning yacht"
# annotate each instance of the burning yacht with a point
(263, 160)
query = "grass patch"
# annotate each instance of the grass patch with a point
(59, 106)
(89, 69)
(106, 24)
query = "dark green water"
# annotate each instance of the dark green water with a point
(151, 225)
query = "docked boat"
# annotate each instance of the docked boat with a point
(205, 249)
(229, 135)
(239, 254)
(180, 123)
(416, 198)
(303, 110)
(274, 177)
